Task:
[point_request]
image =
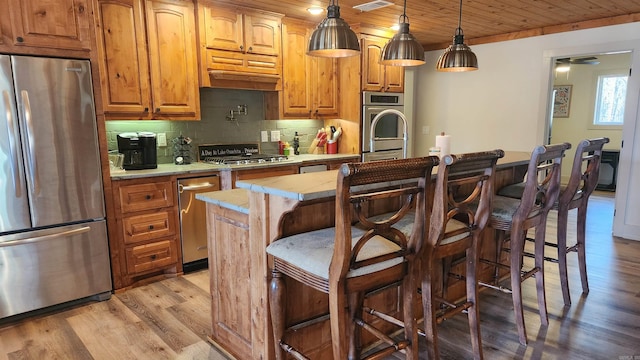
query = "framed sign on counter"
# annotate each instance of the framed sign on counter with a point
(562, 101)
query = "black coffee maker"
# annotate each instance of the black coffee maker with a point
(139, 149)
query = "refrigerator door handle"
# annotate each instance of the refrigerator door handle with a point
(33, 164)
(13, 136)
(35, 239)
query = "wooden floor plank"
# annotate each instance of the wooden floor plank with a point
(174, 334)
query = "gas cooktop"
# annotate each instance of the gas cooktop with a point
(236, 154)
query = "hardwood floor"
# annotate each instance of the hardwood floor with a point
(170, 319)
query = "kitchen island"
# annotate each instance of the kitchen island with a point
(241, 225)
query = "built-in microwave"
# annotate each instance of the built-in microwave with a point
(390, 128)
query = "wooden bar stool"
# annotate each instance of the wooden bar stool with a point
(359, 255)
(575, 195)
(512, 218)
(461, 208)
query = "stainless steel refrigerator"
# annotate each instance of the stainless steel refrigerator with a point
(53, 238)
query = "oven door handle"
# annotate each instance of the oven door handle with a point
(182, 188)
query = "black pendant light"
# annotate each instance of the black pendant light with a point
(403, 49)
(458, 56)
(333, 37)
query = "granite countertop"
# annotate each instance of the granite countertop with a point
(304, 187)
(234, 199)
(310, 186)
(198, 167)
(301, 187)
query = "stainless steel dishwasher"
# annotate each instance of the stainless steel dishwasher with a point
(193, 225)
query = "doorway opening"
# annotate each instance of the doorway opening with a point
(575, 101)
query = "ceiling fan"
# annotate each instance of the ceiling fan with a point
(589, 60)
(564, 64)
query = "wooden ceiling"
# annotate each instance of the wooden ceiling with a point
(433, 22)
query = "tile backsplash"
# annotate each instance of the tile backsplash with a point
(216, 127)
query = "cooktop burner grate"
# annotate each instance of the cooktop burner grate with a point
(244, 159)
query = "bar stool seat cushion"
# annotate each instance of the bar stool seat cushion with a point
(505, 207)
(312, 251)
(515, 191)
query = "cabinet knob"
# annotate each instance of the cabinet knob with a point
(148, 197)
(250, 48)
(150, 227)
(20, 39)
(146, 109)
(157, 110)
(241, 47)
(153, 257)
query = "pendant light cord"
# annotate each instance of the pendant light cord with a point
(459, 29)
(404, 18)
(459, 16)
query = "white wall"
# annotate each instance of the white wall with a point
(503, 104)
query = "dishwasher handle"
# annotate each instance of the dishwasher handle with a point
(195, 187)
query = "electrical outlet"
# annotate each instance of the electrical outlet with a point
(162, 139)
(264, 136)
(275, 135)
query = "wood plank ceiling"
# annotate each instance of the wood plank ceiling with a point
(433, 22)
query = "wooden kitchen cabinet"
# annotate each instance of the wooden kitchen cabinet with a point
(377, 77)
(148, 59)
(56, 28)
(310, 86)
(236, 41)
(230, 280)
(147, 243)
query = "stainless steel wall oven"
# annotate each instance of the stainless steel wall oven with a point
(384, 112)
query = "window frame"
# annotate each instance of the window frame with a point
(594, 98)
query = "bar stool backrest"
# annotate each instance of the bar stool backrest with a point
(542, 181)
(358, 184)
(585, 171)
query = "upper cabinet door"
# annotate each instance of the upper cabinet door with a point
(172, 57)
(372, 71)
(262, 35)
(394, 78)
(296, 99)
(325, 82)
(122, 53)
(377, 77)
(60, 24)
(223, 29)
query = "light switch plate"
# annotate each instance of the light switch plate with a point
(162, 139)
(275, 135)
(264, 136)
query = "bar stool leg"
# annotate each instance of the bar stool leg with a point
(563, 215)
(339, 319)
(356, 300)
(539, 275)
(277, 306)
(517, 248)
(472, 296)
(430, 323)
(582, 258)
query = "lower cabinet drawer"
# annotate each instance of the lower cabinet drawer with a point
(148, 226)
(147, 257)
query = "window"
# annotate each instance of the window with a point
(610, 98)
